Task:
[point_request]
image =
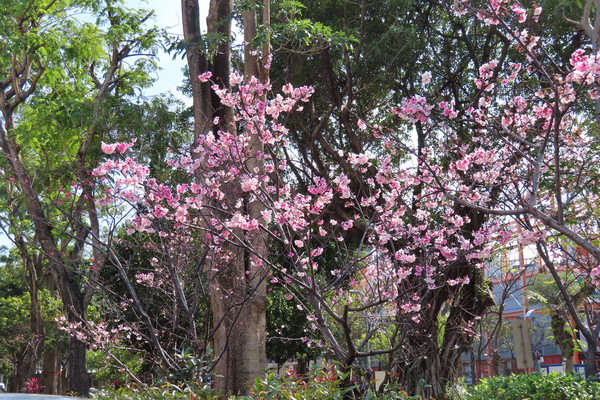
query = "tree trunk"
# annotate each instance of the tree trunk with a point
(239, 302)
(77, 374)
(218, 22)
(238, 288)
(591, 370)
(52, 370)
(428, 367)
(197, 64)
(569, 364)
(239, 337)
(564, 339)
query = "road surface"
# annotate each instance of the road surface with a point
(25, 396)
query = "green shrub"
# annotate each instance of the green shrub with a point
(165, 392)
(535, 387)
(319, 384)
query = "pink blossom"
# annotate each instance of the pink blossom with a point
(250, 184)
(414, 109)
(316, 252)
(462, 165)
(205, 76)
(223, 171)
(520, 12)
(358, 159)
(108, 148)
(426, 77)
(119, 147)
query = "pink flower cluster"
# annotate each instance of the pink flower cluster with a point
(221, 181)
(117, 147)
(414, 109)
(99, 335)
(531, 148)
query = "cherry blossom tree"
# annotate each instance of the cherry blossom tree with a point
(405, 254)
(241, 353)
(409, 224)
(533, 156)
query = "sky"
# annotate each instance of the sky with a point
(168, 16)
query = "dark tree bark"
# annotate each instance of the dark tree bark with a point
(34, 346)
(198, 64)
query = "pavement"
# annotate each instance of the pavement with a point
(25, 396)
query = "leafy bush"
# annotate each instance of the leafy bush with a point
(319, 384)
(165, 392)
(535, 387)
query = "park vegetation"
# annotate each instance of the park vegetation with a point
(335, 191)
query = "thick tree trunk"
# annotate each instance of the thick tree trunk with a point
(591, 370)
(52, 370)
(238, 301)
(239, 337)
(77, 374)
(218, 21)
(569, 364)
(238, 288)
(197, 64)
(73, 298)
(564, 339)
(428, 368)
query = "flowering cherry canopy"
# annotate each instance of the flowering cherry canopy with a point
(529, 156)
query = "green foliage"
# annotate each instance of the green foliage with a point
(194, 368)
(209, 42)
(289, 30)
(535, 387)
(327, 385)
(11, 277)
(286, 325)
(105, 370)
(165, 392)
(544, 290)
(15, 325)
(14, 316)
(320, 384)
(72, 58)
